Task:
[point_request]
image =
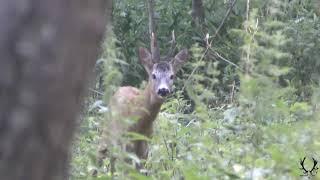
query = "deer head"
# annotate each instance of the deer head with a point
(162, 73)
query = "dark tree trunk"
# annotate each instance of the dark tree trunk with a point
(47, 51)
(197, 12)
(155, 51)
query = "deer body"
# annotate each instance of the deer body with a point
(141, 107)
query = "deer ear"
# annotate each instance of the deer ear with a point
(145, 59)
(179, 60)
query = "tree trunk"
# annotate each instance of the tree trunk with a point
(197, 12)
(47, 51)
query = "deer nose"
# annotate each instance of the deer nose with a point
(163, 92)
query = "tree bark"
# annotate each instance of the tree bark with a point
(155, 50)
(197, 12)
(47, 51)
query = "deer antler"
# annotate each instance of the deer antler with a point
(302, 166)
(314, 168)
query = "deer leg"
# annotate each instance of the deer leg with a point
(141, 152)
(112, 165)
(102, 153)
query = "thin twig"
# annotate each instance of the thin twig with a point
(166, 144)
(224, 59)
(232, 91)
(249, 47)
(225, 17)
(173, 45)
(193, 120)
(209, 44)
(194, 70)
(95, 91)
(248, 8)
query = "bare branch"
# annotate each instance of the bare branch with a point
(95, 91)
(173, 45)
(225, 17)
(224, 59)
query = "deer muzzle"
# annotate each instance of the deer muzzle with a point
(163, 92)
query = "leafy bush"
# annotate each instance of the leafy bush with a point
(246, 107)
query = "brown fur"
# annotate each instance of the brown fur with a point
(140, 107)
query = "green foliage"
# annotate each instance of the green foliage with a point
(246, 107)
(110, 62)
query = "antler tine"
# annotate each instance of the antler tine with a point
(173, 44)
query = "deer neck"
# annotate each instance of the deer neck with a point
(152, 102)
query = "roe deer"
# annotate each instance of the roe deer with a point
(141, 107)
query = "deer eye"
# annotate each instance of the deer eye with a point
(171, 77)
(154, 76)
